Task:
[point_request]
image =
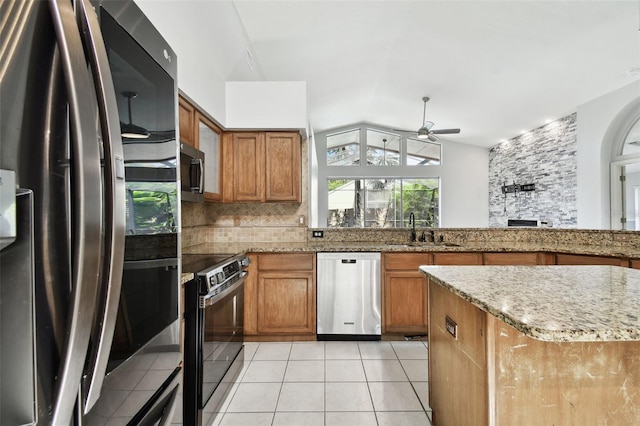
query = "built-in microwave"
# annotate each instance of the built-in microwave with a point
(191, 173)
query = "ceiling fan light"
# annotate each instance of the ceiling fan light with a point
(423, 133)
(131, 131)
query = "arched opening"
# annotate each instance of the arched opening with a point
(625, 169)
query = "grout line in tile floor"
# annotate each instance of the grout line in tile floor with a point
(384, 381)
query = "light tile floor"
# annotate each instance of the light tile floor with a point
(330, 384)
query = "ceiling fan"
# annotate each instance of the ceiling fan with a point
(425, 132)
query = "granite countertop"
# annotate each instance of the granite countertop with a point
(552, 303)
(346, 246)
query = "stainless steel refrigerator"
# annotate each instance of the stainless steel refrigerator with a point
(89, 215)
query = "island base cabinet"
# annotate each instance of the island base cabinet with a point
(482, 371)
(457, 366)
(567, 383)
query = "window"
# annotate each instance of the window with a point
(374, 177)
(382, 203)
(381, 148)
(343, 148)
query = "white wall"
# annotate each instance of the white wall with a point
(266, 105)
(211, 45)
(465, 186)
(596, 128)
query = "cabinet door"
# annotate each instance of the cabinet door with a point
(283, 169)
(286, 303)
(405, 302)
(248, 166)
(186, 120)
(208, 137)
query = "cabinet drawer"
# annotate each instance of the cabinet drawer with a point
(457, 258)
(511, 258)
(580, 259)
(406, 261)
(286, 262)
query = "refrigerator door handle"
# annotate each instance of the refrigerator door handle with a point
(87, 209)
(115, 195)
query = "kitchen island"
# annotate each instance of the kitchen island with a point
(516, 345)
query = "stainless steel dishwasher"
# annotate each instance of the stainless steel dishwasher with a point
(349, 304)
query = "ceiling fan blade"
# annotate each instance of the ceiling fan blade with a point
(428, 124)
(432, 138)
(445, 131)
(403, 130)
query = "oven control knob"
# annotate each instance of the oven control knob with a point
(212, 281)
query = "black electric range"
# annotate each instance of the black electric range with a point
(214, 318)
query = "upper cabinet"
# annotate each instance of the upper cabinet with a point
(283, 168)
(187, 122)
(208, 137)
(261, 167)
(243, 166)
(199, 131)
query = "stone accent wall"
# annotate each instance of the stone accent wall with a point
(545, 156)
(248, 222)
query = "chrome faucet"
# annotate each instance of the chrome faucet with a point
(412, 223)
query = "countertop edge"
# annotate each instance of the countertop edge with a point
(538, 333)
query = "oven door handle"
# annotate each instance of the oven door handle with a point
(209, 300)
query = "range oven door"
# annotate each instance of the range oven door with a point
(214, 351)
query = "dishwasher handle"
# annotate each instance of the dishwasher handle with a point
(348, 260)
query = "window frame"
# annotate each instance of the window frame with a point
(365, 171)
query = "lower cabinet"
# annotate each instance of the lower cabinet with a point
(404, 292)
(280, 301)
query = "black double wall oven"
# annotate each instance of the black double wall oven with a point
(143, 367)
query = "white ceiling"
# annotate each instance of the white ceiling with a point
(491, 68)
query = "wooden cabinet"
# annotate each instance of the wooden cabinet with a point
(281, 301)
(580, 259)
(510, 258)
(457, 258)
(186, 120)
(404, 293)
(261, 167)
(244, 167)
(200, 131)
(208, 139)
(283, 166)
(458, 373)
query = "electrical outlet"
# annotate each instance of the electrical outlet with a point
(318, 234)
(301, 220)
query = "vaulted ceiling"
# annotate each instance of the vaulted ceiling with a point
(491, 68)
